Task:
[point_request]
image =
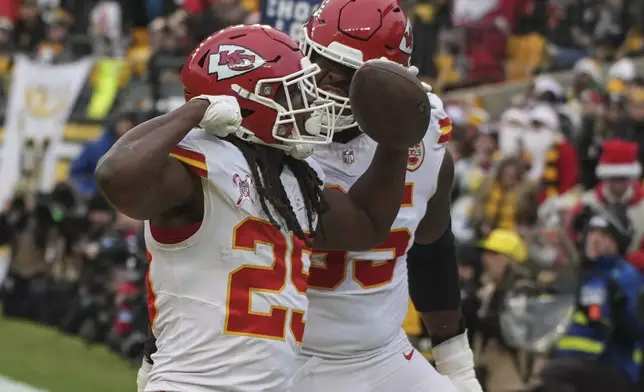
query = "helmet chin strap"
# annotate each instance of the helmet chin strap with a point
(296, 150)
(342, 123)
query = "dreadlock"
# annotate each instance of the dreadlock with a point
(271, 190)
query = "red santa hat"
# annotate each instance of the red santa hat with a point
(618, 159)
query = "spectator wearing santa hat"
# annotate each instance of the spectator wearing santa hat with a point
(619, 172)
(554, 159)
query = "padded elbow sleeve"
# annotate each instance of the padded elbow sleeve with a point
(433, 275)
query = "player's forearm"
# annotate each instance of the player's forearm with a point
(434, 285)
(379, 192)
(361, 219)
(139, 156)
(442, 325)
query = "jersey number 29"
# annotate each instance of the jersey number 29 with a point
(240, 319)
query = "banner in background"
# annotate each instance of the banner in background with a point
(40, 101)
(288, 15)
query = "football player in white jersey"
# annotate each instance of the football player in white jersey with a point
(358, 300)
(232, 206)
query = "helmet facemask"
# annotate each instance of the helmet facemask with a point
(319, 127)
(344, 117)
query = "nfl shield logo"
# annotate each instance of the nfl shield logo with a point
(348, 157)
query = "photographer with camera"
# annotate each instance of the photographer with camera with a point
(41, 232)
(109, 305)
(600, 351)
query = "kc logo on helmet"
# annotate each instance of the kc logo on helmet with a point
(407, 41)
(233, 60)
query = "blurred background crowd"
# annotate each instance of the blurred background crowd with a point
(546, 99)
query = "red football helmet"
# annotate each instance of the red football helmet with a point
(253, 63)
(350, 32)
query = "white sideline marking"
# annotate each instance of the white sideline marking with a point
(9, 385)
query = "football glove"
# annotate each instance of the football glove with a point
(454, 359)
(222, 117)
(142, 375)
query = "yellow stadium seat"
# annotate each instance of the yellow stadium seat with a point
(525, 54)
(446, 70)
(140, 37)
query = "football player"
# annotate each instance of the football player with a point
(232, 205)
(358, 300)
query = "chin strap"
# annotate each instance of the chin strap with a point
(296, 150)
(454, 359)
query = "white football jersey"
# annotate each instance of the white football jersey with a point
(227, 305)
(358, 300)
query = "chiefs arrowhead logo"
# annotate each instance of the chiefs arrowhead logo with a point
(416, 156)
(407, 41)
(233, 60)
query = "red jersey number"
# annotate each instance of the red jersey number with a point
(367, 273)
(240, 319)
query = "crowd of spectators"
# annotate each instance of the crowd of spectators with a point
(559, 159)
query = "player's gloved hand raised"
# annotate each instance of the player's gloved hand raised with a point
(222, 117)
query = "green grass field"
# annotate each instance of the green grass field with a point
(44, 358)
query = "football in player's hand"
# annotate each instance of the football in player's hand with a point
(389, 103)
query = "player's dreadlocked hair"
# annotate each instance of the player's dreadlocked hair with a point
(270, 187)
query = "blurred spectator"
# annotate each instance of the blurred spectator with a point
(620, 74)
(55, 45)
(43, 235)
(165, 62)
(618, 171)
(633, 126)
(229, 12)
(608, 23)
(587, 76)
(505, 199)
(429, 18)
(9, 9)
(553, 158)
(470, 170)
(600, 121)
(82, 169)
(514, 123)
(106, 27)
(503, 252)
(30, 27)
(6, 33)
(604, 328)
(566, 34)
